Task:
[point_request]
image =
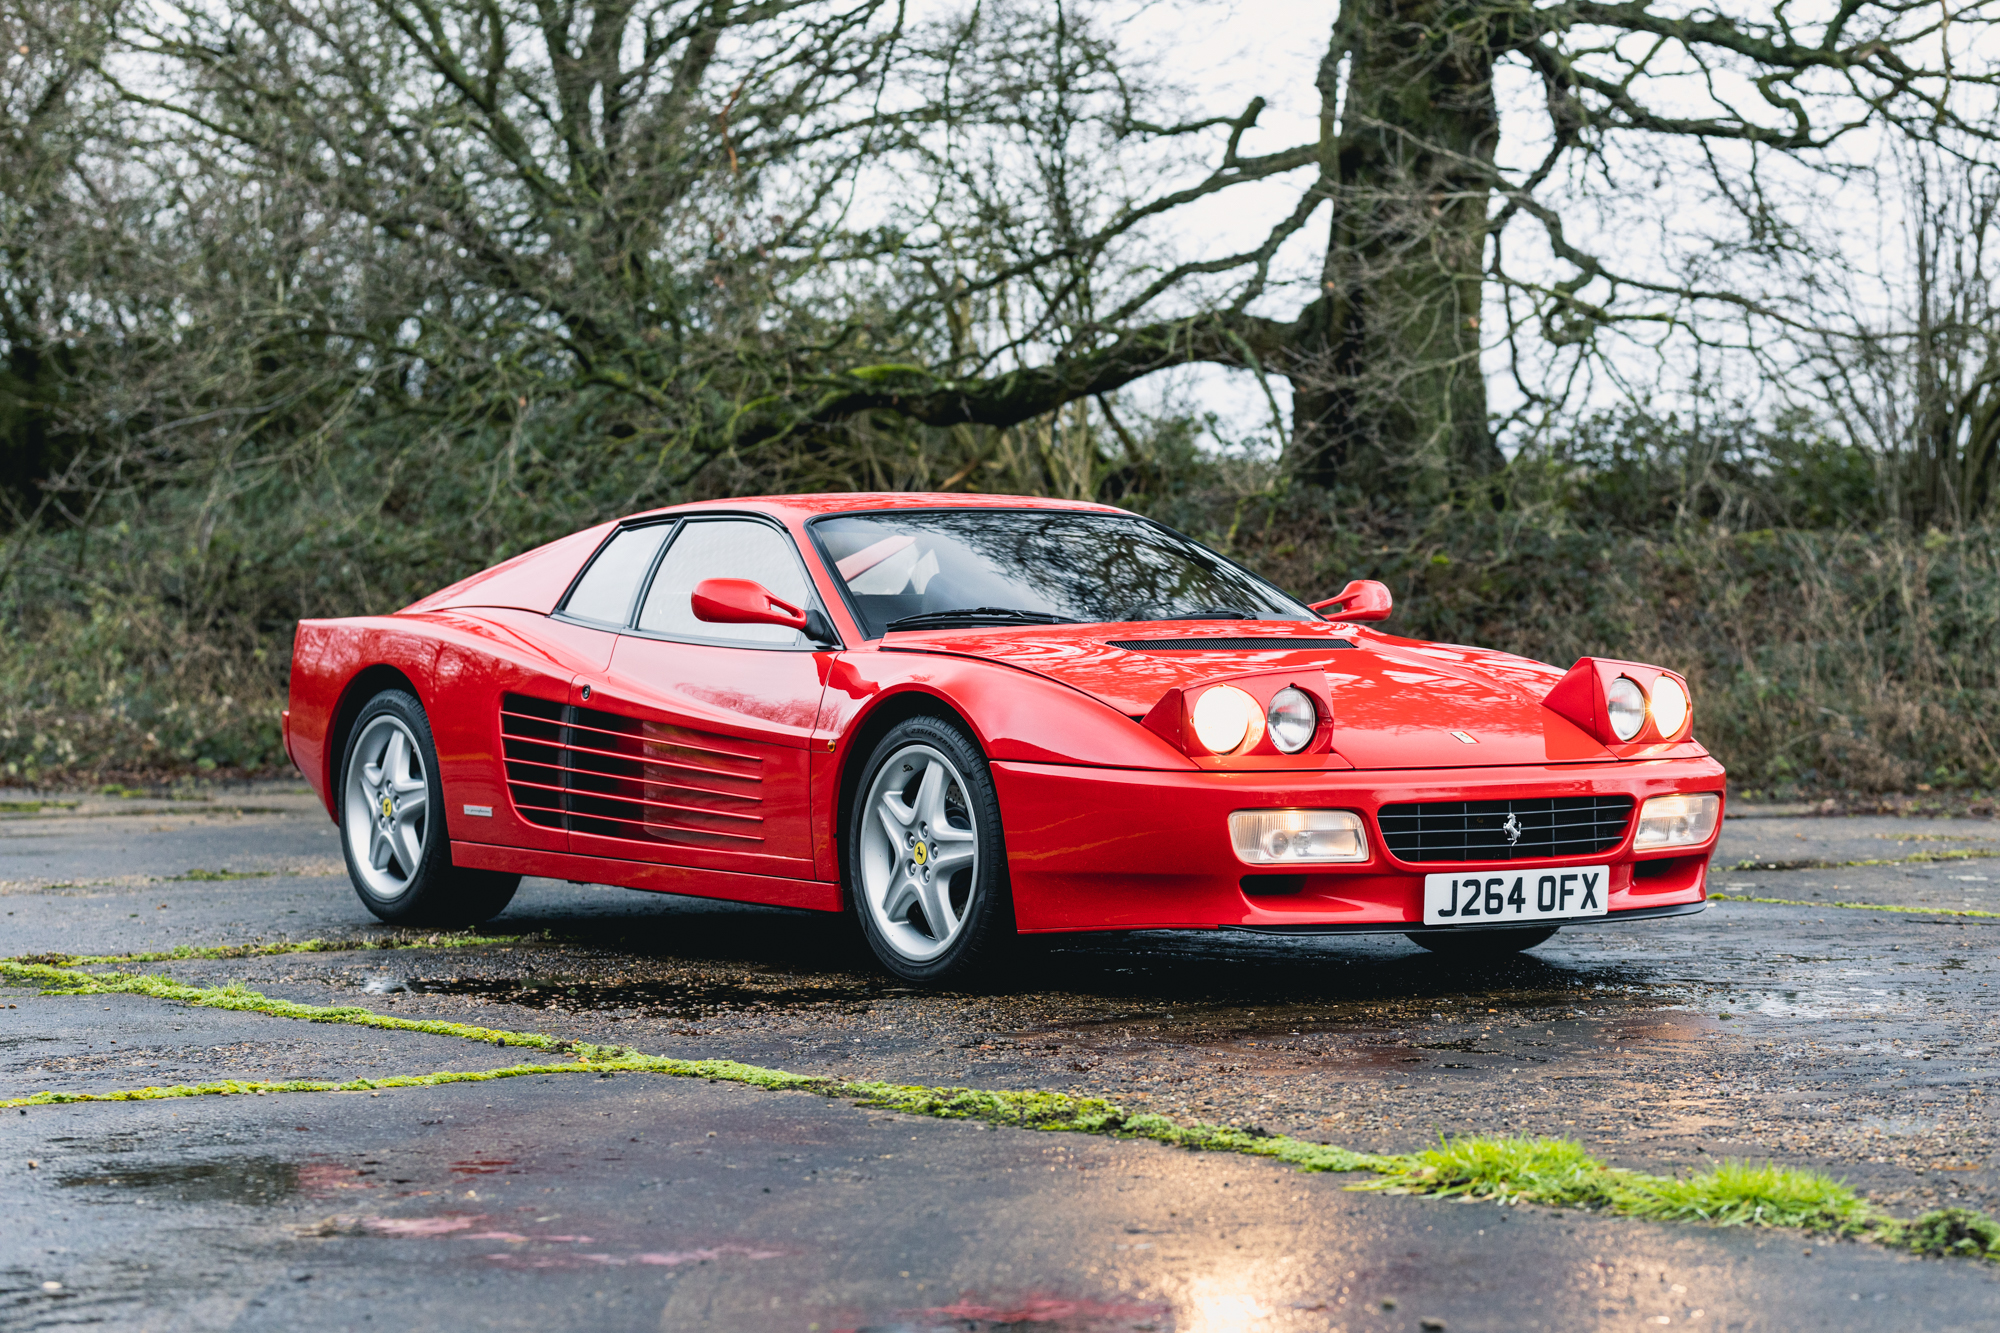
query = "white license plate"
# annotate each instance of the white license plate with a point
(1494, 897)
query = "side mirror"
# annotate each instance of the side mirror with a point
(1363, 599)
(742, 602)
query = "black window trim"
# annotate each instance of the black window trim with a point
(669, 521)
(679, 521)
(861, 622)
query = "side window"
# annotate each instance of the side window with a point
(611, 584)
(725, 548)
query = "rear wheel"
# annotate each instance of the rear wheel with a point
(1476, 944)
(926, 863)
(392, 827)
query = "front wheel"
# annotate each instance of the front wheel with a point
(1459, 942)
(925, 859)
(392, 827)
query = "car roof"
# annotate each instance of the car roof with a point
(801, 507)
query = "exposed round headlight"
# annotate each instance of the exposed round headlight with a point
(1292, 719)
(1670, 706)
(1627, 704)
(1223, 718)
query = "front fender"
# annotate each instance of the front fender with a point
(1015, 715)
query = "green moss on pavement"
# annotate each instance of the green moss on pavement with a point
(1856, 907)
(189, 952)
(1556, 1172)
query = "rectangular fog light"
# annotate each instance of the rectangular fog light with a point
(1677, 821)
(1297, 837)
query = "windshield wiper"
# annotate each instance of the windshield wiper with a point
(974, 615)
(1198, 613)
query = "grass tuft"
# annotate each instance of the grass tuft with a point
(1551, 1171)
(1743, 1194)
(1958, 1232)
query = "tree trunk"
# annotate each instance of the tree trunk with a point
(1387, 394)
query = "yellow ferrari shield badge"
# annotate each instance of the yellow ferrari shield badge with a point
(922, 854)
(388, 807)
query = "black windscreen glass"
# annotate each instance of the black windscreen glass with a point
(1091, 568)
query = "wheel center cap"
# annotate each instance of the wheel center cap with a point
(388, 807)
(921, 854)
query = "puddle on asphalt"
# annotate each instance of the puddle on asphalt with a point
(1660, 1027)
(1053, 1314)
(247, 1180)
(1529, 991)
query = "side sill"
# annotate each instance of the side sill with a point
(728, 885)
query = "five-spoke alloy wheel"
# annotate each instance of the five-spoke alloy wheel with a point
(388, 807)
(392, 823)
(927, 866)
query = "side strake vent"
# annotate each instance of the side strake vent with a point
(1224, 645)
(531, 741)
(1505, 830)
(592, 771)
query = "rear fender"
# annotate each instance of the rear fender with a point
(337, 666)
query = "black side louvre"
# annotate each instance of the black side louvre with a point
(593, 771)
(532, 738)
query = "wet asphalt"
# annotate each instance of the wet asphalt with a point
(1856, 1041)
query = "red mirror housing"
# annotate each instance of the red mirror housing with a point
(1362, 599)
(742, 602)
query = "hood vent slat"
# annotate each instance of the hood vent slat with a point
(1224, 645)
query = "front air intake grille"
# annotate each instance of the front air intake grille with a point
(593, 771)
(1224, 645)
(1481, 831)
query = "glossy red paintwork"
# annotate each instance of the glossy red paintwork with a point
(1110, 821)
(1092, 849)
(732, 727)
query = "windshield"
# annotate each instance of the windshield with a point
(1002, 566)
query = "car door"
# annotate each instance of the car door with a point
(691, 749)
(504, 681)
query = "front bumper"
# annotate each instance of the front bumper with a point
(1126, 849)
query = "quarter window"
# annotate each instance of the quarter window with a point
(725, 549)
(611, 585)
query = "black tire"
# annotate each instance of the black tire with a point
(1476, 944)
(416, 884)
(984, 934)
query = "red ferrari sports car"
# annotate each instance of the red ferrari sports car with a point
(970, 718)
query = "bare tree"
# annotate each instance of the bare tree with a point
(668, 231)
(1914, 374)
(1428, 218)
(46, 226)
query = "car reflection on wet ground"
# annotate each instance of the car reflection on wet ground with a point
(1857, 1041)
